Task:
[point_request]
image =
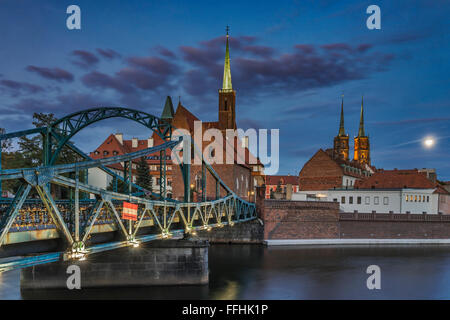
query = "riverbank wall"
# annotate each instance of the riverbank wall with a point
(316, 222)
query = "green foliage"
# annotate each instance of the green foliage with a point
(144, 179)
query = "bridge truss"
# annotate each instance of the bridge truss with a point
(76, 221)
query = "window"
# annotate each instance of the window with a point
(428, 198)
(343, 200)
(415, 198)
(406, 198)
(376, 200)
(105, 153)
(350, 200)
(385, 201)
(358, 200)
(367, 200)
(335, 199)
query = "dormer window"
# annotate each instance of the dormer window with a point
(105, 153)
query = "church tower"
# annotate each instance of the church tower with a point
(362, 146)
(227, 96)
(340, 149)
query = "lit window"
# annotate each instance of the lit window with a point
(343, 200)
(350, 200)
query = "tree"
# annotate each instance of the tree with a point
(5, 144)
(279, 189)
(144, 178)
(32, 147)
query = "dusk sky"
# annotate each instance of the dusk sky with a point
(290, 63)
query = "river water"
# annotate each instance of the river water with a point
(291, 272)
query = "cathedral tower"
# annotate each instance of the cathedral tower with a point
(362, 146)
(227, 96)
(340, 148)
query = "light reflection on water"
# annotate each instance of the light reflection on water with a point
(313, 272)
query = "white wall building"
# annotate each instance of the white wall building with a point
(377, 200)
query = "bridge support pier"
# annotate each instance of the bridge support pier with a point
(162, 262)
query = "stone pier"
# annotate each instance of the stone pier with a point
(162, 262)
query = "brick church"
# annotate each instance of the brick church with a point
(332, 168)
(241, 178)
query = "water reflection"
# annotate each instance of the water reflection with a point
(313, 272)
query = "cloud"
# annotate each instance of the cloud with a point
(108, 53)
(153, 64)
(258, 70)
(56, 74)
(100, 80)
(85, 58)
(62, 104)
(165, 52)
(411, 121)
(15, 87)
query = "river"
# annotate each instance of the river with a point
(291, 272)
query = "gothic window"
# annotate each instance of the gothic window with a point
(226, 105)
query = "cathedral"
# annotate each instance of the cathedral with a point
(240, 177)
(333, 168)
(341, 141)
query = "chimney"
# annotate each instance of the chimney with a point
(245, 142)
(289, 191)
(150, 142)
(134, 143)
(119, 137)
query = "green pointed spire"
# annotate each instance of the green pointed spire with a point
(341, 125)
(168, 112)
(361, 120)
(226, 68)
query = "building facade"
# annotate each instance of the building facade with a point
(387, 191)
(241, 176)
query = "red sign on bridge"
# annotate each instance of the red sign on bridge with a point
(129, 211)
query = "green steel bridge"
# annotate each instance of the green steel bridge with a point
(77, 222)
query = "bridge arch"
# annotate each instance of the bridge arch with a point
(65, 128)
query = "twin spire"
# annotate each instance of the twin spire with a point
(226, 68)
(361, 132)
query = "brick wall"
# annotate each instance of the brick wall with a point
(322, 220)
(228, 173)
(300, 219)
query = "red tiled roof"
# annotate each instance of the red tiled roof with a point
(396, 179)
(273, 180)
(319, 183)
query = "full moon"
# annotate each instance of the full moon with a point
(429, 142)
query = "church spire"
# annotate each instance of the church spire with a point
(168, 111)
(226, 68)
(361, 120)
(341, 125)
